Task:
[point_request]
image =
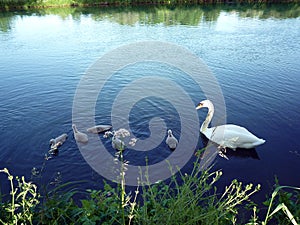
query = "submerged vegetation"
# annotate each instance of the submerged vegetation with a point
(184, 199)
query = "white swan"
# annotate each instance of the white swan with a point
(58, 141)
(79, 136)
(171, 141)
(99, 128)
(228, 135)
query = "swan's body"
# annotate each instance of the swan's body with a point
(79, 136)
(228, 135)
(171, 141)
(58, 141)
(99, 128)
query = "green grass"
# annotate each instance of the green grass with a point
(184, 199)
(283, 206)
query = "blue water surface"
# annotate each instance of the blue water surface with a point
(255, 60)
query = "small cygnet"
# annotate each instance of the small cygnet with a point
(171, 141)
(79, 136)
(99, 129)
(58, 141)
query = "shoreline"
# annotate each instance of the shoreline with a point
(20, 5)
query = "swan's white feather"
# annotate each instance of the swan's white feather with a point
(232, 136)
(228, 135)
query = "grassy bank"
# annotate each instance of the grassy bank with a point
(184, 199)
(30, 4)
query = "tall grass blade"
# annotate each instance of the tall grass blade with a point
(280, 206)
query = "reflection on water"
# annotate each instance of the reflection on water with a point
(255, 58)
(189, 15)
(242, 153)
(228, 153)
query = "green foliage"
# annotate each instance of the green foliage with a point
(284, 205)
(98, 207)
(58, 208)
(24, 199)
(194, 201)
(184, 199)
(7, 5)
(150, 15)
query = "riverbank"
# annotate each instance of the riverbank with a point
(195, 200)
(9, 5)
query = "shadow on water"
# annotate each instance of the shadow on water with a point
(242, 153)
(151, 15)
(230, 153)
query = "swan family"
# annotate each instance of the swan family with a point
(78, 136)
(226, 136)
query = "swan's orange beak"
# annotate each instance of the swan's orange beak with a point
(199, 106)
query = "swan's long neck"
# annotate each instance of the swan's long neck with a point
(209, 117)
(75, 129)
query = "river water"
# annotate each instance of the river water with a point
(253, 54)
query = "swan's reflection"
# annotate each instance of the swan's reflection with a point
(212, 148)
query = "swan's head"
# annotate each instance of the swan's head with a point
(204, 104)
(170, 133)
(74, 128)
(52, 142)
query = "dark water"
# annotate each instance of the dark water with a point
(253, 53)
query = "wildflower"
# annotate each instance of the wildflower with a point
(222, 151)
(48, 157)
(117, 143)
(122, 133)
(35, 171)
(221, 154)
(132, 142)
(107, 134)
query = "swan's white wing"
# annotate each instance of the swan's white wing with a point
(232, 136)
